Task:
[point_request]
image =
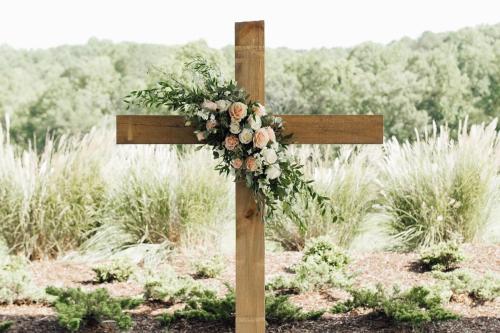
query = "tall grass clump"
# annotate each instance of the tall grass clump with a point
(50, 200)
(164, 194)
(347, 176)
(438, 189)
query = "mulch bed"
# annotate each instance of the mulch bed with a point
(387, 268)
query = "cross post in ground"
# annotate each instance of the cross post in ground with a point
(306, 129)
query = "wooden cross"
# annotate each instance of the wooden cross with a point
(307, 129)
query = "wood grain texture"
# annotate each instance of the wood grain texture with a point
(250, 241)
(306, 129)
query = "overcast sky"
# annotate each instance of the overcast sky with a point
(295, 24)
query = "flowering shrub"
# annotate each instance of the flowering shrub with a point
(244, 136)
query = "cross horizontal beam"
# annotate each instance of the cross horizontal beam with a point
(306, 129)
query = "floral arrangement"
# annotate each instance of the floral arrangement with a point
(246, 138)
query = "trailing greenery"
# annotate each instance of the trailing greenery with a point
(207, 306)
(115, 271)
(5, 325)
(16, 284)
(76, 308)
(414, 306)
(479, 288)
(209, 268)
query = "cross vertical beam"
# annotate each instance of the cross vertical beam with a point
(250, 250)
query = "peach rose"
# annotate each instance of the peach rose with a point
(237, 163)
(211, 124)
(209, 105)
(261, 138)
(259, 110)
(251, 163)
(201, 136)
(270, 133)
(231, 142)
(238, 111)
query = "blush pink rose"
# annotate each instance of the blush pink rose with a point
(259, 110)
(231, 142)
(251, 163)
(209, 105)
(211, 124)
(270, 133)
(201, 136)
(238, 111)
(261, 138)
(237, 163)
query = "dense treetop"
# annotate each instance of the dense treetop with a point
(438, 77)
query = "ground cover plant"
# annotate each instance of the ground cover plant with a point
(115, 271)
(209, 268)
(480, 289)
(441, 257)
(76, 308)
(5, 325)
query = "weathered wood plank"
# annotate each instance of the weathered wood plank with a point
(250, 248)
(307, 129)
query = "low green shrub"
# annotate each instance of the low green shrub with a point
(16, 284)
(480, 289)
(209, 268)
(115, 271)
(284, 285)
(441, 257)
(5, 325)
(168, 287)
(76, 308)
(207, 306)
(414, 306)
(322, 266)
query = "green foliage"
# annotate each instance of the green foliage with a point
(207, 306)
(115, 271)
(480, 288)
(284, 285)
(415, 306)
(5, 325)
(210, 268)
(16, 284)
(441, 257)
(76, 308)
(167, 287)
(437, 190)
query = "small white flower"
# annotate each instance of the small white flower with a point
(227, 93)
(223, 105)
(255, 122)
(273, 171)
(201, 136)
(246, 135)
(269, 155)
(440, 218)
(235, 127)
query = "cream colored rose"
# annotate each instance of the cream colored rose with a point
(273, 171)
(238, 111)
(235, 127)
(201, 136)
(231, 142)
(237, 163)
(209, 105)
(259, 110)
(251, 164)
(270, 133)
(211, 124)
(246, 135)
(269, 155)
(223, 105)
(255, 122)
(261, 138)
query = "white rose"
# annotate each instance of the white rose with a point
(273, 171)
(269, 155)
(255, 122)
(223, 105)
(234, 127)
(246, 136)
